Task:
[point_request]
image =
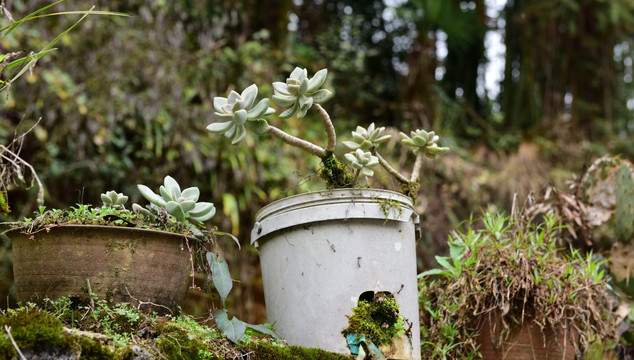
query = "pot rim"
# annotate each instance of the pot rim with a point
(336, 204)
(96, 227)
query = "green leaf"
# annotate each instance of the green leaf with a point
(229, 235)
(259, 110)
(321, 96)
(220, 275)
(174, 209)
(318, 80)
(265, 330)
(248, 95)
(259, 127)
(284, 100)
(172, 187)
(234, 329)
(219, 127)
(151, 196)
(191, 193)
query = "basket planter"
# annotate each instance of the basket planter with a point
(321, 251)
(525, 342)
(119, 264)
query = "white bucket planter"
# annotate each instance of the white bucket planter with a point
(321, 250)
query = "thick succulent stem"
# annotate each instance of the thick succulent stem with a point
(398, 176)
(297, 142)
(330, 129)
(418, 164)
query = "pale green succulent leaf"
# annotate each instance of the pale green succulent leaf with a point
(191, 193)
(187, 205)
(106, 199)
(321, 96)
(240, 135)
(220, 127)
(351, 145)
(317, 80)
(173, 208)
(303, 86)
(240, 117)
(259, 126)
(233, 97)
(219, 102)
(258, 110)
(280, 87)
(284, 100)
(172, 186)
(203, 209)
(150, 196)
(297, 73)
(367, 171)
(289, 112)
(121, 200)
(248, 96)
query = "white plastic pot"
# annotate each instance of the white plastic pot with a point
(321, 251)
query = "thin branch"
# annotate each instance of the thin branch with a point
(297, 142)
(330, 129)
(141, 303)
(398, 176)
(418, 164)
(40, 193)
(191, 260)
(8, 330)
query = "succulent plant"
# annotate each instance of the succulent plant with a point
(365, 139)
(182, 205)
(361, 161)
(299, 92)
(424, 141)
(113, 199)
(237, 112)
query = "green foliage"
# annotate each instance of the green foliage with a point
(113, 199)
(378, 319)
(425, 142)
(515, 268)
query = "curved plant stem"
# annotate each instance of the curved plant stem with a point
(418, 164)
(330, 129)
(398, 176)
(297, 142)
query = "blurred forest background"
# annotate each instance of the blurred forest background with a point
(526, 93)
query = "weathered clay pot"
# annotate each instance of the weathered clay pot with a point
(526, 342)
(119, 264)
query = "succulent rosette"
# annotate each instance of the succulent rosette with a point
(299, 92)
(362, 161)
(183, 205)
(366, 139)
(113, 199)
(236, 112)
(422, 140)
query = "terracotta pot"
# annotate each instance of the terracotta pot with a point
(118, 264)
(526, 342)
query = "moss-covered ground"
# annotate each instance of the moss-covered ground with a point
(98, 331)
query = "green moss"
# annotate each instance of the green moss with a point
(378, 319)
(265, 351)
(334, 173)
(388, 206)
(176, 343)
(34, 329)
(410, 189)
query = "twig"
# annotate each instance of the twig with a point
(330, 129)
(8, 330)
(92, 300)
(145, 302)
(191, 261)
(399, 177)
(418, 164)
(297, 142)
(40, 193)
